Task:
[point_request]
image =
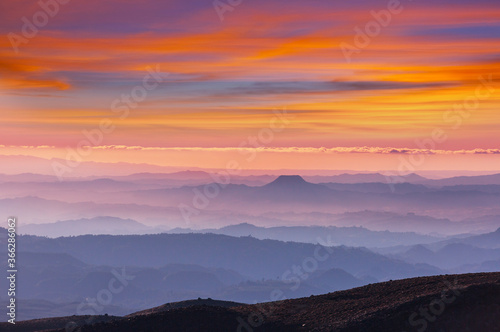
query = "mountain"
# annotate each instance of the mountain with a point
(67, 270)
(53, 284)
(335, 279)
(493, 179)
(368, 178)
(294, 182)
(156, 199)
(183, 175)
(378, 220)
(295, 195)
(212, 250)
(27, 177)
(38, 259)
(448, 302)
(486, 188)
(489, 266)
(378, 187)
(349, 236)
(47, 211)
(98, 225)
(450, 256)
(291, 188)
(418, 253)
(488, 240)
(232, 206)
(11, 164)
(166, 180)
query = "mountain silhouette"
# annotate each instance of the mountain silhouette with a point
(288, 181)
(292, 188)
(465, 302)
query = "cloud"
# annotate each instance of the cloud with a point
(27, 147)
(262, 88)
(364, 149)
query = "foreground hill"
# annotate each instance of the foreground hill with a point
(467, 302)
(186, 304)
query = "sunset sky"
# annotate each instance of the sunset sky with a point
(426, 82)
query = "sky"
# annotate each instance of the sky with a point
(360, 84)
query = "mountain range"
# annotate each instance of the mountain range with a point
(468, 302)
(287, 200)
